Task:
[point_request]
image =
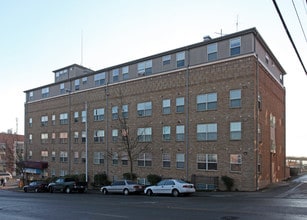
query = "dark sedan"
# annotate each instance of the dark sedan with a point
(36, 186)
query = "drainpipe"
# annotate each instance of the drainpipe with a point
(257, 121)
(187, 115)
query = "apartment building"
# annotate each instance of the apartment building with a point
(211, 109)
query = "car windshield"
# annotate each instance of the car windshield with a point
(131, 182)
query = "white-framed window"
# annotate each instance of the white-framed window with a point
(212, 51)
(84, 80)
(206, 102)
(53, 155)
(63, 156)
(64, 119)
(30, 154)
(44, 138)
(144, 109)
(77, 84)
(180, 104)
(53, 136)
(180, 133)
(99, 114)
(114, 112)
(144, 134)
(76, 116)
(166, 60)
(99, 136)
(206, 161)
(145, 68)
(145, 160)
(45, 92)
(30, 95)
(62, 88)
(83, 116)
(166, 160)
(76, 137)
(125, 72)
(180, 160)
(30, 138)
(44, 120)
(115, 135)
(100, 79)
(166, 133)
(83, 156)
(98, 158)
(166, 106)
(76, 157)
(115, 158)
(235, 98)
(53, 119)
(83, 136)
(235, 162)
(180, 59)
(235, 46)
(124, 159)
(125, 111)
(63, 137)
(207, 132)
(30, 122)
(235, 131)
(115, 75)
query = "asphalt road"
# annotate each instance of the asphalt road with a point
(284, 201)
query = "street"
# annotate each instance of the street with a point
(287, 201)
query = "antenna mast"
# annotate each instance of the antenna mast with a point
(81, 47)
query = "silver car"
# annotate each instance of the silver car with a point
(174, 187)
(122, 186)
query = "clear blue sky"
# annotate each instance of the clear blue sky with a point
(39, 36)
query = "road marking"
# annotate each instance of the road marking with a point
(104, 214)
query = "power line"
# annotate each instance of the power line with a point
(289, 35)
(299, 20)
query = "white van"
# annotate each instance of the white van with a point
(6, 175)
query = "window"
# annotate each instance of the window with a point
(145, 160)
(84, 80)
(115, 158)
(235, 98)
(30, 154)
(30, 138)
(100, 79)
(207, 161)
(166, 160)
(30, 95)
(99, 114)
(166, 136)
(235, 46)
(44, 138)
(83, 138)
(63, 156)
(166, 60)
(98, 158)
(179, 161)
(44, 120)
(76, 137)
(62, 88)
(206, 102)
(115, 112)
(180, 57)
(53, 138)
(83, 115)
(76, 157)
(99, 136)
(124, 160)
(83, 157)
(166, 106)
(180, 105)
(45, 92)
(64, 119)
(235, 131)
(235, 162)
(125, 111)
(76, 116)
(144, 134)
(30, 122)
(53, 119)
(115, 75)
(145, 68)
(77, 84)
(207, 132)
(44, 155)
(180, 133)
(53, 156)
(212, 52)
(144, 109)
(63, 137)
(125, 72)
(114, 135)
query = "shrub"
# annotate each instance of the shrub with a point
(101, 179)
(154, 179)
(129, 176)
(228, 181)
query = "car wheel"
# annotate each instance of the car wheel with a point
(175, 193)
(25, 190)
(104, 191)
(51, 189)
(126, 192)
(36, 190)
(149, 192)
(67, 190)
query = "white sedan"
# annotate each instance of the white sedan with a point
(174, 187)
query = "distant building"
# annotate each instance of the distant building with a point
(201, 111)
(11, 150)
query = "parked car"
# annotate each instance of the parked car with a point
(6, 175)
(122, 186)
(174, 187)
(67, 185)
(36, 186)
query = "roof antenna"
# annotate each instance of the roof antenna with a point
(81, 47)
(237, 24)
